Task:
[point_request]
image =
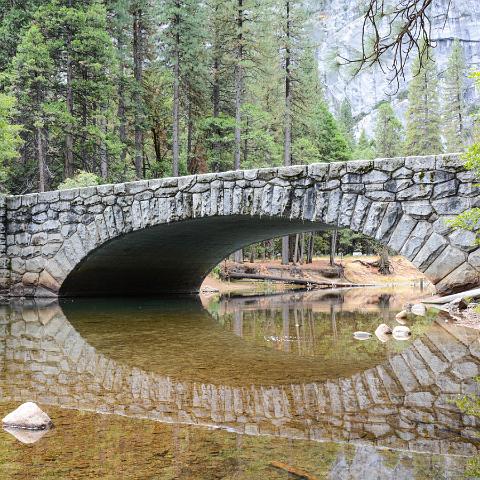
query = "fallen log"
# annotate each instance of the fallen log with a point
(290, 280)
(475, 293)
(301, 474)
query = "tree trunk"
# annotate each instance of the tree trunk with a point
(287, 156)
(333, 247)
(138, 74)
(216, 110)
(103, 151)
(285, 250)
(238, 87)
(311, 246)
(296, 248)
(190, 161)
(121, 111)
(69, 166)
(176, 105)
(41, 160)
(302, 248)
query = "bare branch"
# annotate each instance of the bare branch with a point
(402, 30)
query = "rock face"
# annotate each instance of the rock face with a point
(28, 416)
(338, 30)
(164, 236)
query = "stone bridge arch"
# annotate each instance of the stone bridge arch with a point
(164, 236)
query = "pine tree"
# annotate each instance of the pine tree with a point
(388, 133)
(365, 149)
(184, 42)
(454, 111)
(423, 114)
(10, 140)
(346, 122)
(32, 81)
(15, 18)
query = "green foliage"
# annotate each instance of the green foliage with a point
(470, 404)
(454, 109)
(347, 122)
(388, 133)
(80, 179)
(423, 114)
(365, 149)
(10, 140)
(470, 220)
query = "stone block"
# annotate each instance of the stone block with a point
(374, 218)
(416, 240)
(415, 192)
(462, 278)
(419, 209)
(446, 189)
(420, 164)
(360, 166)
(463, 239)
(392, 214)
(401, 233)
(445, 263)
(389, 164)
(429, 251)
(375, 176)
(451, 205)
(402, 173)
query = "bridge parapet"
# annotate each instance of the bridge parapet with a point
(192, 222)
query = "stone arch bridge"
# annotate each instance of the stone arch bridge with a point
(164, 236)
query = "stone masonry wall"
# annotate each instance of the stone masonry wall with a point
(402, 202)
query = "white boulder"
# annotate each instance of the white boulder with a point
(419, 309)
(383, 332)
(28, 416)
(401, 332)
(362, 335)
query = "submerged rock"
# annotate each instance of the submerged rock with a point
(419, 309)
(28, 416)
(362, 335)
(401, 332)
(383, 332)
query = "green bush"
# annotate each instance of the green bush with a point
(80, 179)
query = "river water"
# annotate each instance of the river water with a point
(237, 387)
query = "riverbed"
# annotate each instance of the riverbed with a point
(237, 387)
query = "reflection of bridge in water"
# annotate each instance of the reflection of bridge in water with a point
(404, 403)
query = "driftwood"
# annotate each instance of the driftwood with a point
(290, 280)
(301, 474)
(475, 293)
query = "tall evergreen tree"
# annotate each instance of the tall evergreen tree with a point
(32, 81)
(184, 41)
(347, 122)
(423, 114)
(454, 110)
(10, 139)
(388, 133)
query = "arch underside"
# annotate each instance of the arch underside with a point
(171, 258)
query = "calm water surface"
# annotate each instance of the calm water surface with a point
(224, 387)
